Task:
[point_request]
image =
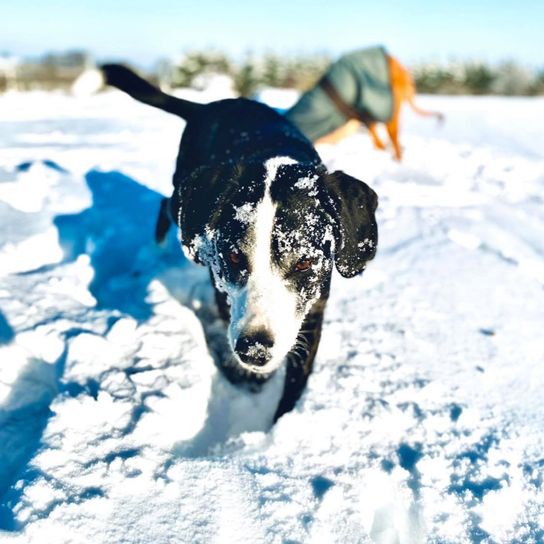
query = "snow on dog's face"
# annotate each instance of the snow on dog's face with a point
(269, 236)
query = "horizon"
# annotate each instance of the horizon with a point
(490, 32)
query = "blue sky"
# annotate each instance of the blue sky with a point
(141, 31)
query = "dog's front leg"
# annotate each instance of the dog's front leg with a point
(164, 221)
(300, 359)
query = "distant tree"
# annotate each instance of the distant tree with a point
(272, 71)
(435, 79)
(246, 79)
(479, 79)
(537, 85)
(512, 80)
(164, 71)
(199, 62)
(304, 72)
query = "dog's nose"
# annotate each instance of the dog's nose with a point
(254, 348)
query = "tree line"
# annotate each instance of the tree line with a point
(255, 71)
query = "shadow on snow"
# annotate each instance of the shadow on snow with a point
(117, 233)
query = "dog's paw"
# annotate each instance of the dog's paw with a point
(88, 83)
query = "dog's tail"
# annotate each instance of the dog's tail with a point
(404, 87)
(425, 113)
(126, 80)
(117, 75)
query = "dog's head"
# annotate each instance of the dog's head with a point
(270, 234)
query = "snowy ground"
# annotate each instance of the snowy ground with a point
(423, 420)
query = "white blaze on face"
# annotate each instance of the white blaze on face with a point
(265, 303)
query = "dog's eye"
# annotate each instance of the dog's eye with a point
(303, 265)
(234, 257)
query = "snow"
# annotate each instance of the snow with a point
(244, 213)
(279, 98)
(422, 421)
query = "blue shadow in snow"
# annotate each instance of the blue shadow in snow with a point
(25, 166)
(6, 332)
(21, 426)
(320, 485)
(117, 232)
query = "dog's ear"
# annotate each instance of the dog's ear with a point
(353, 204)
(198, 201)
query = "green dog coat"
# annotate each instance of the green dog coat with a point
(356, 86)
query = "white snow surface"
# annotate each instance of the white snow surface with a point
(423, 420)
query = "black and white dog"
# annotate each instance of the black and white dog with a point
(256, 205)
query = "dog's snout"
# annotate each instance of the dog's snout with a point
(255, 348)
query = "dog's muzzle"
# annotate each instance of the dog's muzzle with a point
(255, 348)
